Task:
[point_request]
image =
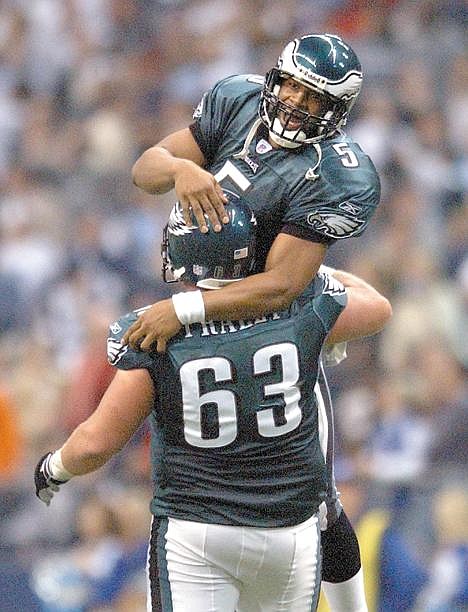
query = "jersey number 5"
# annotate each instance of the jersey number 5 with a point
(230, 171)
(225, 399)
(347, 156)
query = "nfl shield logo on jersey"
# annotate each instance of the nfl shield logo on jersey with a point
(263, 146)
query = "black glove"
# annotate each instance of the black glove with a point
(46, 486)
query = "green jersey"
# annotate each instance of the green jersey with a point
(235, 425)
(321, 192)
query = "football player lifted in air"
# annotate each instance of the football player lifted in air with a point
(278, 141)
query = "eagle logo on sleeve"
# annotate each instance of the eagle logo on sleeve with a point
(335, 224)
(332, 285)
(115, 350)
(197, 113)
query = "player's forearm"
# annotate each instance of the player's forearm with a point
(156, 170)
(251, 297)
(84, 452)
(291, 265)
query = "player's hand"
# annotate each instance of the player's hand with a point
(199, 193)
(153, 328)
(46, 486)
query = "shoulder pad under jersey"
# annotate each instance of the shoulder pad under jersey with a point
(121, 355)
(219, 110)
(229, 88)
(225, 93)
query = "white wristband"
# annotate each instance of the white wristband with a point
(189, 307)
(57, 469)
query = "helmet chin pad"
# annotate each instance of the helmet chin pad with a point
(289, 139)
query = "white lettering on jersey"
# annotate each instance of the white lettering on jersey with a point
(253, 165)
(347, 156)
(224, 400)
(213, 328)
(229, 170)
(140, 311)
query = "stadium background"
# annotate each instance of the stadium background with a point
(85, 87)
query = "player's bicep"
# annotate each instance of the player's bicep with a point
(295, 261)
(366, 313)
(126, 403)
(183, 145)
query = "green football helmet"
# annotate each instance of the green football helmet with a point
(213, 259)
(325, 64)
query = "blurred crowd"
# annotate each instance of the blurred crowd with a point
(85, 87)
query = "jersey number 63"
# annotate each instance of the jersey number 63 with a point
(225, 399)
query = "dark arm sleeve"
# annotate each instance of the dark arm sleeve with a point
(208, 151)
(306, 234)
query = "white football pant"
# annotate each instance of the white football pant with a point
(202, 567)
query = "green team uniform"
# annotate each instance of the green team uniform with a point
(321, 192)
(234, 427)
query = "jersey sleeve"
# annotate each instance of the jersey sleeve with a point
(342, 198)
(330, 299)
(120, 355)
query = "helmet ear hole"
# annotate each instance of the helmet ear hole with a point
(196, 258)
